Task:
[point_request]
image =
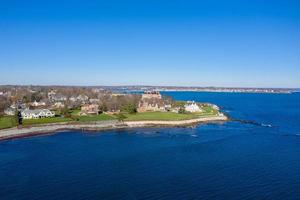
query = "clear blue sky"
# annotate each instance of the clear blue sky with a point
(246, 43)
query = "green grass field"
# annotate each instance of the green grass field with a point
(208, 110)
(91, 118)
(45, 120)
(75, 112)
(73, 119)
(7, 122)
(158, 116)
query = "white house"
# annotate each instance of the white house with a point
(94, 101)
(79, 98)
(10, 111)
(73, 98)
(37, 113)
(36, 104)
(58, 105)
(191, 106)
(52, 96)
(82, 98)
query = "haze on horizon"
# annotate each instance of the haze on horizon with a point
(231, 43)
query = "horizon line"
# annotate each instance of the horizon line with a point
(66, 85)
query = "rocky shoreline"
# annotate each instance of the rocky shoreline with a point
(19, 132)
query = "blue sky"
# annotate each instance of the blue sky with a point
(245, 43)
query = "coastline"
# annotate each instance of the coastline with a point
(16, 132)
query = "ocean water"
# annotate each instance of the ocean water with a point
(255, 156)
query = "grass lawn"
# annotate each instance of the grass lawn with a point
(158, 116)
(75, 112)
(7, 122)
(207, 111)
(45, 120)
(92, 118)
(73, 119)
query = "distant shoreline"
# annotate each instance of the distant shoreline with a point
(203, 89)
(222, 91)
(12, 133)
(139, 88)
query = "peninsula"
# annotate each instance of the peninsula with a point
(42, 110)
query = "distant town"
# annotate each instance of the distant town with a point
(203, 89)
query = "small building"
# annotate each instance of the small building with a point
(94, 101)
(113, 112)
(82, 98)
(37, 113)
(73, 98)
(175, 110)
(57, 98)
(37, 104)
(90, 109)
(118, 94)
(168, 107)
(191, 106)
(19, 106)
(58, 105)
(51, 94)
(10, 111)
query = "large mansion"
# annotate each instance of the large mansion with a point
(151, 101)
(89, 109)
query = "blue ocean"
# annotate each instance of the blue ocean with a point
(254, 156)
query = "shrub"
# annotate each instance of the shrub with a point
(120, 117)
(181, 110)
(129, 108)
